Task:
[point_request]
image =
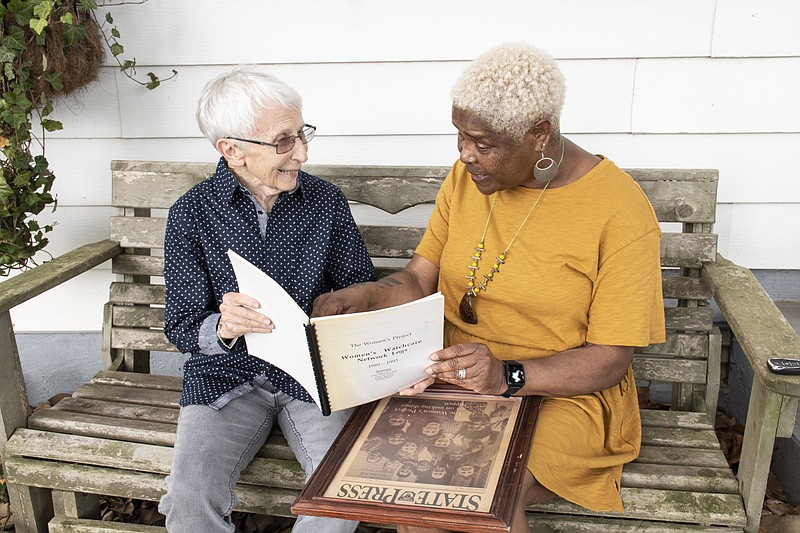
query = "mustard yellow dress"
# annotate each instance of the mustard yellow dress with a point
(584, 268)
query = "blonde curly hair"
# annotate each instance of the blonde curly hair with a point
(511, 87)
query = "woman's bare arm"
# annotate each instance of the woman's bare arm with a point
(418, 279)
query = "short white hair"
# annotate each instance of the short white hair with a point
(231, 103)
(511, 87)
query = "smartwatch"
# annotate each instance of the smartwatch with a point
(515, 377)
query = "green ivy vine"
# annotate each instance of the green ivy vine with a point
(47, 48)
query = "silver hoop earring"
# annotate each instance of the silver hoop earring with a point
(546, 168)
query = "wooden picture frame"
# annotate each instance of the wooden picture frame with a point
(446, 458)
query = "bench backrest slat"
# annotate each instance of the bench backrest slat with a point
(687, 196)
(674, 287)
(677, 249)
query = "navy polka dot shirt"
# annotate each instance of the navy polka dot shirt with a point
(309, 244)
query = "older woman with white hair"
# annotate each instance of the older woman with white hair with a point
(548, 258)
(295, 227)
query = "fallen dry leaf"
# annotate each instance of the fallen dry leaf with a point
(58, 397)
(774, 488)
(41, 405)
(777, 507)
(645, 402)
(730, 435)
(780, 524)
(6, 516)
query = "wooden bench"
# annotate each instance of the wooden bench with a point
(114, 435)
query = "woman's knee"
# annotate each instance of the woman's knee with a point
(198, 484)
(202, 503)
(308, 433)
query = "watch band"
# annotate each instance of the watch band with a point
(515, 377)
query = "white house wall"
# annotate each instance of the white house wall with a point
(699, 84)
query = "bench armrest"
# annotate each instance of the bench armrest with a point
(19, 289)
(756, 322)
(763, 332)
(37, 280)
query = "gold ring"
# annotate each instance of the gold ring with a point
(462, 374)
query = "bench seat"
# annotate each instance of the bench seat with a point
(114, 436)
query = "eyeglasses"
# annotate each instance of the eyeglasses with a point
(286, 144)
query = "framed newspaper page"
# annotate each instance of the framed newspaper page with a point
(446, 458)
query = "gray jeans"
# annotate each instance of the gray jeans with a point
(213, 447)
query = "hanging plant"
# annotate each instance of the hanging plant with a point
(47, 48)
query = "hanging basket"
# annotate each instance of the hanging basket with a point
(78, 62)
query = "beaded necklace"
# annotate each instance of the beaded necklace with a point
(467, 308)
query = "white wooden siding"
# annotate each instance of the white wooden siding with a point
(756, 28)
(204, 32)
(743, 95)
(704, 84)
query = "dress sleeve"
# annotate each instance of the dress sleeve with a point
(436, 234)
(627, 306)
(190, 300)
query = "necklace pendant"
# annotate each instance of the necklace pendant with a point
(466, 310)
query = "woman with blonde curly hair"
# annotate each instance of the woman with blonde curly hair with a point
(548, 258)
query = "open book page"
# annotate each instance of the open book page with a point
(286, 347)
(365, 356)
(371, 355)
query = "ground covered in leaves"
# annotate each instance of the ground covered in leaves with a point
(777, 515)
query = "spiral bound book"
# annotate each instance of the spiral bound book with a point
(344, 360)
